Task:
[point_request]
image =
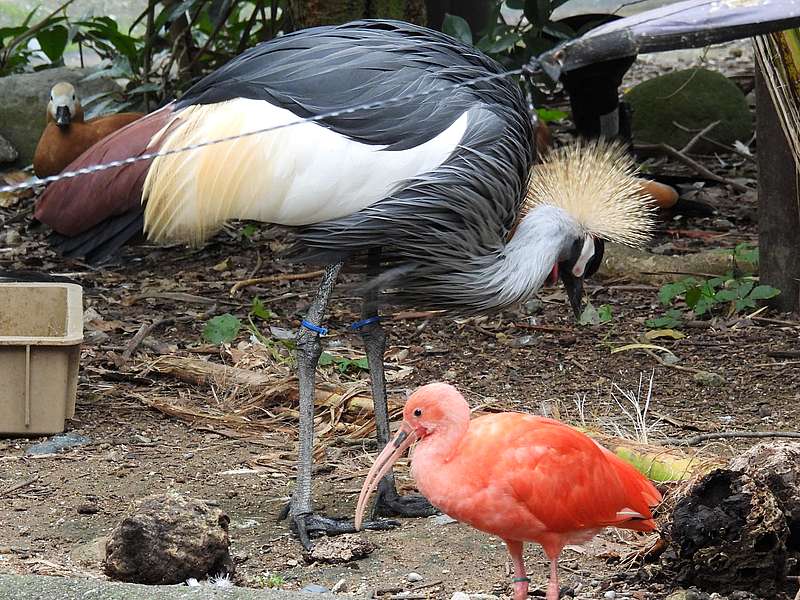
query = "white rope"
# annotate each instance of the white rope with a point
(36, 181)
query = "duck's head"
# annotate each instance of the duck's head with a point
(64, 106)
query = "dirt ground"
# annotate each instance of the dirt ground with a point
(145, 436)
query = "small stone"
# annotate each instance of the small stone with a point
(709, 379)
(340, 549)
(764, 410)
(13, 237)
(291, 563)
(413, 577)
(533, 306)
(443, 519)
(8, 153)
(610, 595)
(57, 443)
(460, 596)
(341, 586)
(88, 508)
(313, 588)
(523, 341)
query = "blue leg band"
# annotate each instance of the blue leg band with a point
(314, 328)
(364, 322)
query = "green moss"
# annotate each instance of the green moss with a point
(694, 98)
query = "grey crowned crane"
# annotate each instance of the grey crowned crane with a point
(437, 194)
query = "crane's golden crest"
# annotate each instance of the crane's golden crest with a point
(595, 183)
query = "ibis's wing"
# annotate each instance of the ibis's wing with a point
(326, 69)
(687, 24)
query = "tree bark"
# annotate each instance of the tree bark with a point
(779, 205)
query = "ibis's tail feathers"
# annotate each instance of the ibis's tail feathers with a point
(72, 207)
(101, 242)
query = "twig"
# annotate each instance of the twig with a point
(18, 486)
(700, 169)
(784, 354)
(693, 142)
(718, 144)
(695, 440)
(273, 278)
(143, 332)
(146, 329)
(776, 321)
(785, 363)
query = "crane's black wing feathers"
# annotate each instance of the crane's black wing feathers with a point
(326, 69)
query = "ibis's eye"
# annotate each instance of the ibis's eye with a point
(73, 96)
(417, 412)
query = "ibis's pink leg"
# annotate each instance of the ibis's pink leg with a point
(552, 585)
(521, 579)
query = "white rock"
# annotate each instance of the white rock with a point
(460, 596)
(413, 577)
(610, 595)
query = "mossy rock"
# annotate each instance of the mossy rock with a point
(694, 98)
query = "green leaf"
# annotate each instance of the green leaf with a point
(257, 309)
(692, 296)
(763, 292)
(670, 291)
(249, 230)
(595, 316)
(222, 329)
(457, 27)
(671, 319)
(53, 41)
(325, 359)
(726, 295)
(506, 41)
(549, 115)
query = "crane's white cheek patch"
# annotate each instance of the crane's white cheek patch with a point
(587, 252)
(296, 175)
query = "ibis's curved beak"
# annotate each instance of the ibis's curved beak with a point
(62, 116)
(574, 287)
(393, 451)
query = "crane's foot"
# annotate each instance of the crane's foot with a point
(306, 525)
(391, 504)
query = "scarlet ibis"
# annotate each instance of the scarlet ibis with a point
(66, 135)
(434, 193)
(520, 477)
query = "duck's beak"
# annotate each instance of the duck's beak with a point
(390, 454)
(62, 116)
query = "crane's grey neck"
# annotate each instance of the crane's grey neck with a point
(543, 238)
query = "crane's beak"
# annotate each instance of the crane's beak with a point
(62, 116)
(574, 287)
(390, 454)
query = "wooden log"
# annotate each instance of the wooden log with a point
(779, 205)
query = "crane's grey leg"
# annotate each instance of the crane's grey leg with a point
(309, 348)
(388, 503)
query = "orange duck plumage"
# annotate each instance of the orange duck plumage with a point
(66, 135)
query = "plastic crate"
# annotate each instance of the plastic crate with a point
(41, 331)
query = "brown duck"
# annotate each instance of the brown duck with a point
(66, 135)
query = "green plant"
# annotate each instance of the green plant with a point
(343, 364)
(222, 329)
(726, 295)
(513, 44)
(269, 580)
(595, 316)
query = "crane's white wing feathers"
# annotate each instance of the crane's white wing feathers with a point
(297, 175)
